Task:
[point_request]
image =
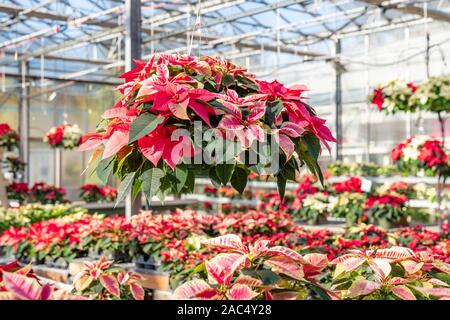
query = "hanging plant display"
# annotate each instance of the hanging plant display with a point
(8, 137)
(421, 155)
(433, 95)
(394, 97)
(15, 166)
(178, 111)
(65, 136)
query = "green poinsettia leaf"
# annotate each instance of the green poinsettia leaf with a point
(125, 187)
(143, 125)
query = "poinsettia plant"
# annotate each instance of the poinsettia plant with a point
(421, 154)
(314, 208)
(394, 97)
(348, 205)
(46, 194)
(352, 184)
(20, 283)
(99, 280)
(18, 191)
(395, 273)
(256, 271)
(179, 114)
(386, 210)
(434, 94)
(95, 193)
(65, 136)
(8, 137)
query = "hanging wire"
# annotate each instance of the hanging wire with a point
(420, 120)
(407, 76)
(152, 28)
(196, 26)
(42, 79)
(3, 79)
(278, 37)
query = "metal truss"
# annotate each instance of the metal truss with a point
(88, 35)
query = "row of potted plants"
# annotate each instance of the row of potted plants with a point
(40, 192)
(31, 213)
(173, 242)
(95, 193)
(260, 270)
(386, 205)
(99, 280)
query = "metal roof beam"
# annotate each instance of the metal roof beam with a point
(43, 15)
(225, 19)
(411, 9)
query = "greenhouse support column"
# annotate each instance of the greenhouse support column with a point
(133, 43)
(24, 121)
(338, 102)
(58, 167)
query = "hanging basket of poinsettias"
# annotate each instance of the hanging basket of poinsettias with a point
(65, 136)
(180, 116)
(433, 95)
(8, 137)
(394, 97)
(421, 155)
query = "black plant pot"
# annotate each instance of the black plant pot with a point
(58, 263)
(143, 263)
(118, 257)
(34, 261)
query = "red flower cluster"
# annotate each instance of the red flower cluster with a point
(386, 199)
(4, 129)
(39, 192)
(255, 222)
(56, 137)
(44, 235)
(378, 98)
(176, 225)
(306, 186)
(18, 187)
(210, 190)
(92, 193)
(399, 187)
(8, 137)
(397, 151)
(44, 193)
(353, 184)
(430, 154)
(412, 86)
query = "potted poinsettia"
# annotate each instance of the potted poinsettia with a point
(9, 139)
(46, 194)
(95, 193)
(421, 155)
(18, 191)
(177, 116)
(256, 271)
(387, 210)
(394, 97)
(314, 209)
(100, 280)
(434, 94)
(65, 136)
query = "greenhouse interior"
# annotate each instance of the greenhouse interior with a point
(224, 150)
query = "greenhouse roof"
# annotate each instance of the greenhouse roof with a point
(84, 40)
